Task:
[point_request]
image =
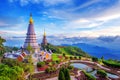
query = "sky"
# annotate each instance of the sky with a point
(61, 18)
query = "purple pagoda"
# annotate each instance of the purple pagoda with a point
(44, 41)
(31, 37)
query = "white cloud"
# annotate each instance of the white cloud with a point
(91, 2)
(45, 2)
(106, 17)
(112, 31)
(9, 32)
(3, 24)
(109, 14)
(55, 2)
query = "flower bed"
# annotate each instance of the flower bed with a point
(42, 68)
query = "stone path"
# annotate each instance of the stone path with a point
(56, 78)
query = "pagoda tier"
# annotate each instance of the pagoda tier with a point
(31, 36)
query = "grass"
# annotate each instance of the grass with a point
(55, 57)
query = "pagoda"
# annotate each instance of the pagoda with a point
(44, 41)
(31, 37)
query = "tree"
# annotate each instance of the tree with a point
(94, 59)
(15, 49)
(67, 74)
(29, 49)
(79, 57)
(102, 57)
(64, 74)
(11, 73)
(4, 78)
(71, 57)
(64, 54)
(61, 75)
(30, 61)
(20, 72)
(2, 48)
(75, 57)
(102, 73)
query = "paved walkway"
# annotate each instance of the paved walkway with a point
(94, 63)
(100, 66)
(56, 78)
(78, 73)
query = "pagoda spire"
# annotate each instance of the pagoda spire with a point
(31, 20)
(44, 32)
(31, 36)
(44, 41)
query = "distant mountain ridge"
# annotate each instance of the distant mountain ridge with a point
(97, 51)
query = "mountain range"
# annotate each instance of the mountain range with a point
(97, 51)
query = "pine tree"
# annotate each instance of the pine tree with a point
(67, 74)
(61, 75)
(64, 72)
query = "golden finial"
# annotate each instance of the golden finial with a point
(31, 20)
(44, 32)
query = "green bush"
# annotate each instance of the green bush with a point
(53, 62)
(75, 57)
(70, 57)
(4, 78)
(70, 67)
(50, 69)
(89, 76)
(11, 73)
(47, 70)
(94, 59)
(79, 57)
(57, 61)
(40, 64)
(111, 63)
(102, 73)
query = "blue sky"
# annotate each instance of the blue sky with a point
(60, 18)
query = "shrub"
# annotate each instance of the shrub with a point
(75, 57)
(47, 70)
(4, 78)
(64, 54)
(70, 57)
(40, 64)
(89, 76)
(102, 73)
(50, 69)
(57, 61)
(111, 63)
(94, 59)
(53, 62)
(79, 57)
(71, 67)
